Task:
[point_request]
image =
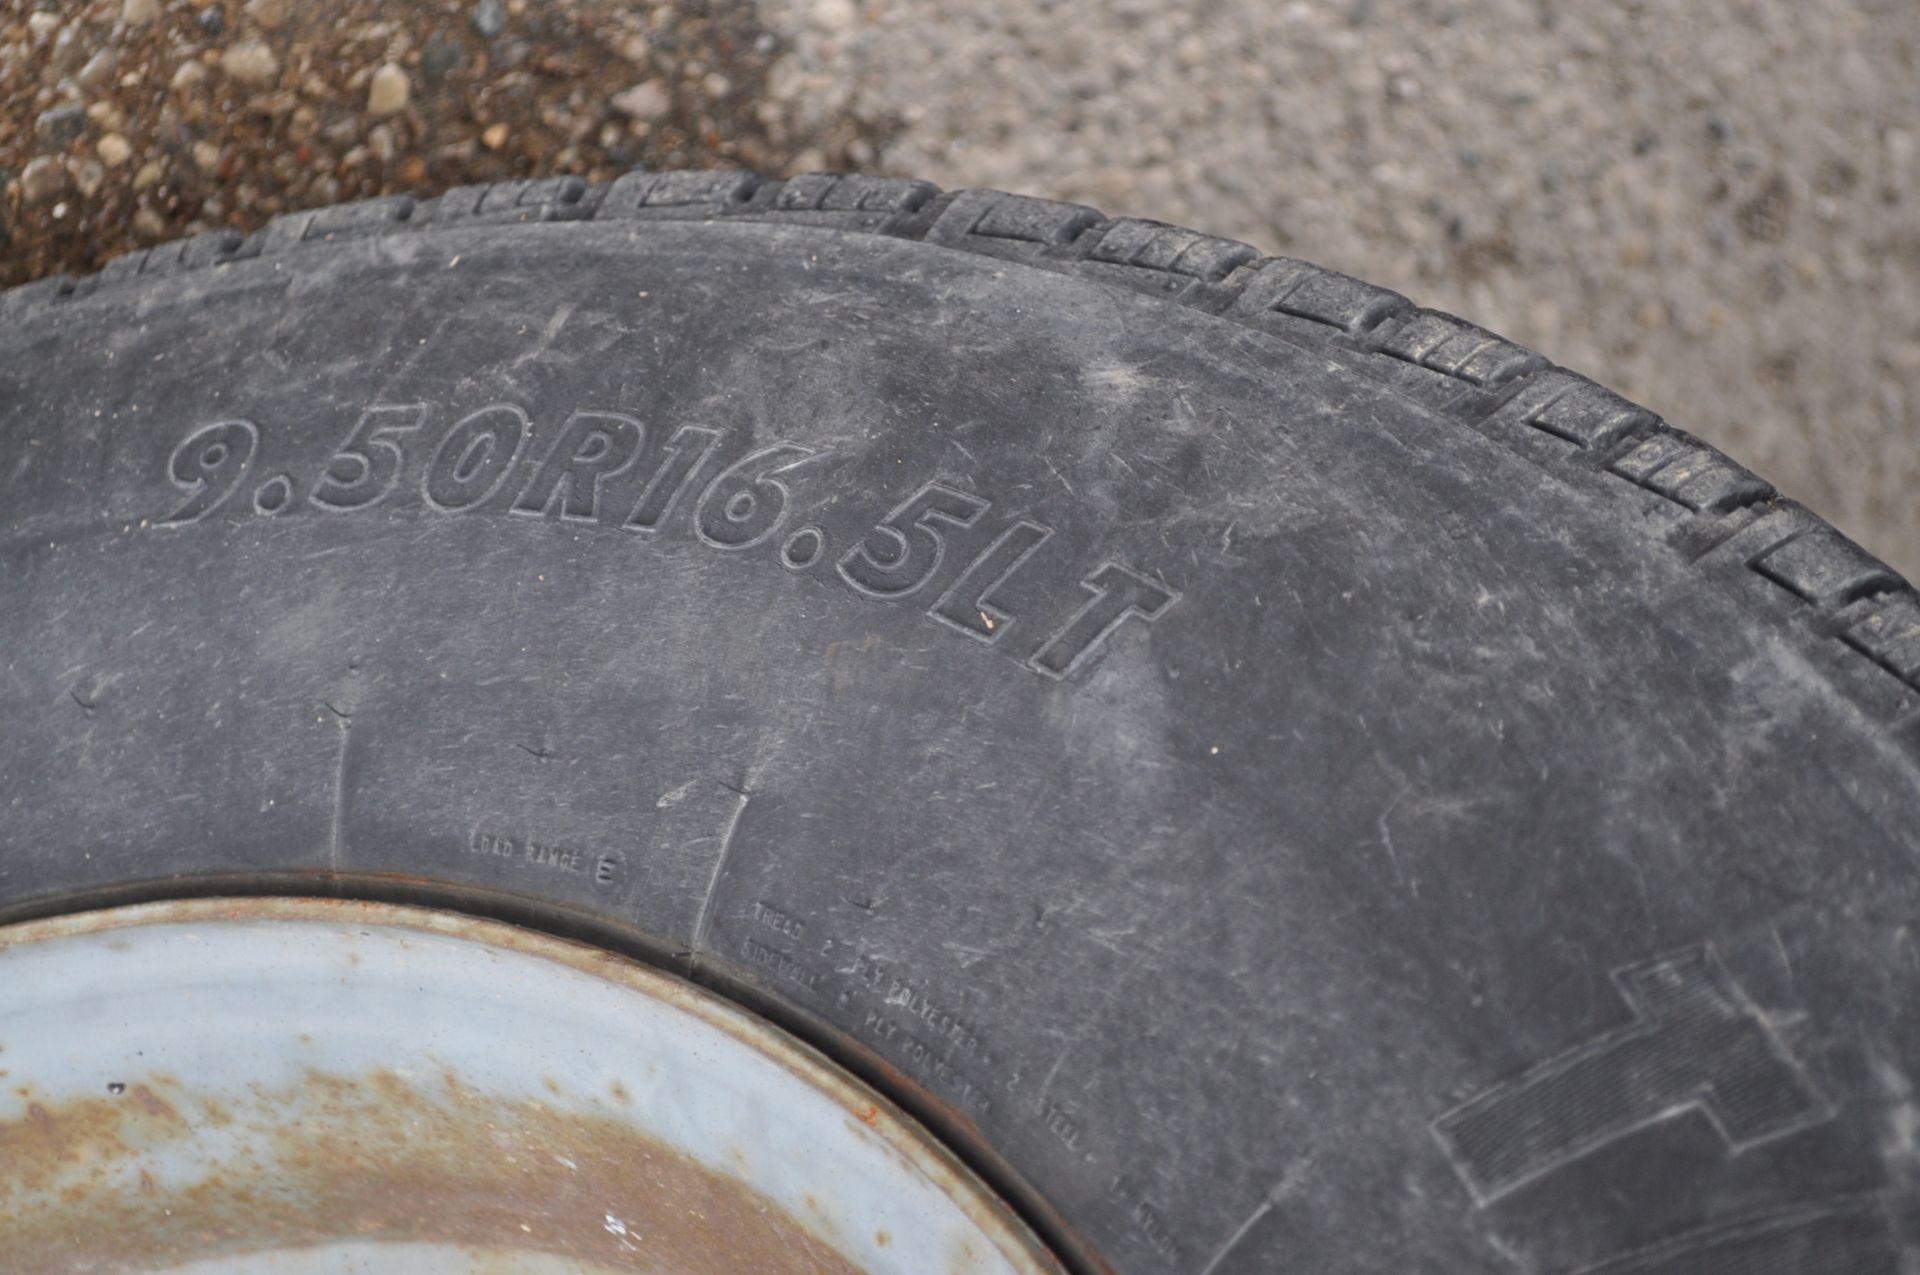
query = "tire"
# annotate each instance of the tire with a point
(1280, 779)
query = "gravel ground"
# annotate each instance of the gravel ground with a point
(1709, 204)
(129, 122)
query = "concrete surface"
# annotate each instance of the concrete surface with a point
(1708, 204)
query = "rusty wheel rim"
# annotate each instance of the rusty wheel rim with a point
(308, 1086)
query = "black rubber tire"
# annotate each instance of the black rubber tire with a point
(1282, 779)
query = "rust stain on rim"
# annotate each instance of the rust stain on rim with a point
(438, 1155)
(376, 1158)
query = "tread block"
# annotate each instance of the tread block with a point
(874, 204)
(206, 249)
(836, 192)
(548, 199)
(1009, 225)
(546, 192)
(209, 248)
(1154, 245)
(1499, 362)
(717, 191)
(1457, 348)
(1646, 459)
(365, 217)
(1890, 634)
(129, 264)
(1825, 568)
(1029, 220)
(1690, 474)
(1589, 415)
(342, 221)
(1305, 291)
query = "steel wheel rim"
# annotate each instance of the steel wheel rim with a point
(306, 1086)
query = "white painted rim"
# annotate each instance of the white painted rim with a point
(308, 1086)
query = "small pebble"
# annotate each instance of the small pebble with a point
(99, 68)
(489, 17)
(88, 174)
(136, 12)
(495, 137)
(834, 15)
(388, 91)
(268, 15)
(441, 55)
(53, 129)
(206, 155)
(213, 21)
(189, 77)
(114, 150)
(43, 179)
(250, 63)
(647, 100)
(149, 175)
